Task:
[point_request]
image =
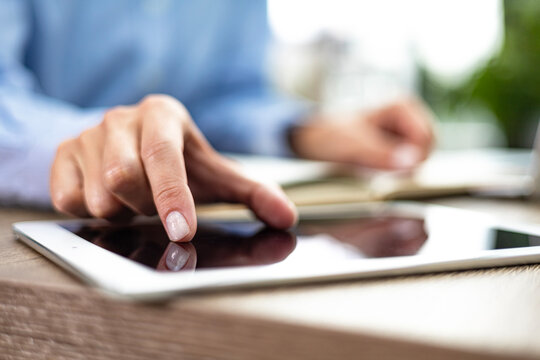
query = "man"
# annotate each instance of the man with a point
(70, 72)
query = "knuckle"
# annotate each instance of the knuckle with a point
(87, 137)
(115, 114)
(156, 150)
(102, 207)
(65, 147)
(164, 102)
(102, 211)
(158, 100)
(66, 201)
(169, 194)
(122, 176)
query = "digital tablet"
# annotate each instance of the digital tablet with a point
(138, 261)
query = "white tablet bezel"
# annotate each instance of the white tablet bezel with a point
(122, 277)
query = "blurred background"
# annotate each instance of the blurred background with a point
(476, 63)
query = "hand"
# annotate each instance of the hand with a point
(398, 136)
(150, 158)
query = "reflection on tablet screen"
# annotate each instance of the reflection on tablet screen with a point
(319, 243)
(251, 243)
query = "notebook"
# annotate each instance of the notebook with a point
(499, 172)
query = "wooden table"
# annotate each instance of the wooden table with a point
(494, 313)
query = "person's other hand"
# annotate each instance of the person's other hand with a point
(397, 136)
(151, 157)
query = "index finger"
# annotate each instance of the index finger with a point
(162, 141)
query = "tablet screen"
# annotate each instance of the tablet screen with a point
(317, 242)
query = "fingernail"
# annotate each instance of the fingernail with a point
(406, 156)
(177, 226)
(177, 257)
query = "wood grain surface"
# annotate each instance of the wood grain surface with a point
(481, 314)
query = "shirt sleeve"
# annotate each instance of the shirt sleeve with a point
(239, 112)
(32, 125)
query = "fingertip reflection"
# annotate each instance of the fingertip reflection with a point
(177, 257)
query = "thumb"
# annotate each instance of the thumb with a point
(226, 182)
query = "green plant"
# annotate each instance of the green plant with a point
(509, 84)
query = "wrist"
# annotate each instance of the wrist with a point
(304, 137)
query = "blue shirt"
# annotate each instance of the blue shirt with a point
(63, 62)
